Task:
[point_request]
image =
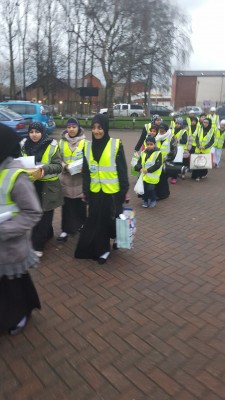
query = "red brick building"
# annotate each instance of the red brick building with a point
(198, 88)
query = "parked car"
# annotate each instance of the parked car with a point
(187, 109)
(14, 121)
(221, 112)
(126, 110)
(160, 110)
(33, 111)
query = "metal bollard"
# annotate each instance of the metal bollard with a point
(134, 122)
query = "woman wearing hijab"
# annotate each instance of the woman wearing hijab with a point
(71, 150)
(167, 144)
(105, 184)
(204, 142)
(20, 210)
(46, 153)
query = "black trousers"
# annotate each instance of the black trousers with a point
(198, 173)
(43, 231)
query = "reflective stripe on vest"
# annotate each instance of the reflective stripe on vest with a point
(46, 159)
(203, 141)
(215, 119)
(220, 137)
(179, 136)
(67, 154)
(148, 127)
(151, 177)
(164, 146)
(103, 174)
(7, 181)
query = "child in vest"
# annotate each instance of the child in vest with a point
(74, 209)
(219, 142)
(150, 164)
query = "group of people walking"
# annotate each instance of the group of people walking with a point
(100, 185)
(26, 208)
(159, 144)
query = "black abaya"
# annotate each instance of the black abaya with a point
(18, 297)
(100, 225)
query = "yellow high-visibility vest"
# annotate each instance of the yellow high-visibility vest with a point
(7, 181)
(204, 140)
(219, 140)
(67, 154)
(103, 174)
(151, 177)
(46, 159)
(178, 137)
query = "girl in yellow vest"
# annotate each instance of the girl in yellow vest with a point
(105, 184)
(204, 142)
(20, 210)
(219, 142)
(71, 150)
(46, 153)
(150, 164)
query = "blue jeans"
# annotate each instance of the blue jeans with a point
(149, 193)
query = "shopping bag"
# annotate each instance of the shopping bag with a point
(126, 229)
(179, 155)
(139, 187)
(134, 161)
(201, 161)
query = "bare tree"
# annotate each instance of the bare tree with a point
(9, 29)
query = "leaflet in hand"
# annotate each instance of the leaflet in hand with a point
(5, 216)
(75, 167)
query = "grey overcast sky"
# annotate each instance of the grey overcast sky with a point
(208, 33)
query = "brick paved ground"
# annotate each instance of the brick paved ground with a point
(150, 324)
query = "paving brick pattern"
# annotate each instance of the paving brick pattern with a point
(148, 325)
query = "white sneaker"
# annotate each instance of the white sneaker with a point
(39, 253)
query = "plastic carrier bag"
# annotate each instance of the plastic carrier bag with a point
(126, 229)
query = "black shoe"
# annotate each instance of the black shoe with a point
(21, 325)
(101, 260)
(114, 246)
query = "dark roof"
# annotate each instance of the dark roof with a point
(200, 73)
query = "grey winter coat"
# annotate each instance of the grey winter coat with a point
(16, 254)
(51, 196)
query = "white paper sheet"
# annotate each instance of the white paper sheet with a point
(27, 162)
(5, 216)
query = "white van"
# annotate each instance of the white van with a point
(126, 110)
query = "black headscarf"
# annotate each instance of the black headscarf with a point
(37, 149)
(98, 145)
(207, 129)
(193, 127)
(9, 143)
